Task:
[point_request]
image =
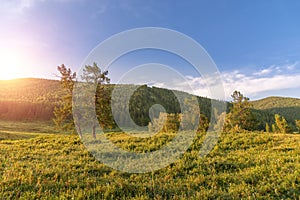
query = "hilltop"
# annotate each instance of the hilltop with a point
(284, 106)
(276, 102)
(32, 90)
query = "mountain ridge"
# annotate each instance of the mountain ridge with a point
(39, 96)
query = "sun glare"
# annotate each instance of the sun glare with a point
(10, 64)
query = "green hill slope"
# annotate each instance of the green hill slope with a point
(276, 102)
(284, 106)
(30, 90)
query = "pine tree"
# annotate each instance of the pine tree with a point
(63, 116)
(95, 78)
(240, 116)
(281, 124)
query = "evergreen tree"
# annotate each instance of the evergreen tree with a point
(281, 124)
(95, 78)
(63, 116)
(240, 116)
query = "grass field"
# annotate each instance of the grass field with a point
(42, 164)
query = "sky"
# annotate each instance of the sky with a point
(254, 44)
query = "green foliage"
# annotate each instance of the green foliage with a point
(95, 78)
(281, 124)
(240, 116)
(63, 116)
(170, 122)
(35, 99)
(93, 74)
(289, 108)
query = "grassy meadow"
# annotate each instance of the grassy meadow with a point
(38, 163)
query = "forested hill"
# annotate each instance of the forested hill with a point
(276, 102)
(28, 99)
(284, 106)
(30, 90)
(34, 99)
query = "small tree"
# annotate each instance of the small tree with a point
(96, 78)
(63, 116)
(297, 121)
(267, 128)
(240, 116)
(281, 124)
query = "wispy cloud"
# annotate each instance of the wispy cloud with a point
(266, 80)
(276, 69)
(264, 71)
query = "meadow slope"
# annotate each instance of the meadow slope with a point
(57, 166)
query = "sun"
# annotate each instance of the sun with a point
(10, 64)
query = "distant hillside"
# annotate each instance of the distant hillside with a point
(276, 102)
(284, 106)
(34, 99)
(28, 99)
(30, 90)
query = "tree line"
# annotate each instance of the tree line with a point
(240, 115)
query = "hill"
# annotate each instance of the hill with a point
(30, 90)
(276, 102)
(284, 106)
(28, 99)
(34, 99)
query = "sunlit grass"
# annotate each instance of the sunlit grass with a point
(247, 166)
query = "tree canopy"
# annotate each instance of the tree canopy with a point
(241, 116)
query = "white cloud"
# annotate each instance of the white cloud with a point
(292, 66)
(264, 71)
(276, 69)
(249, 85)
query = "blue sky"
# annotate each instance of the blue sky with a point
(255, 44)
